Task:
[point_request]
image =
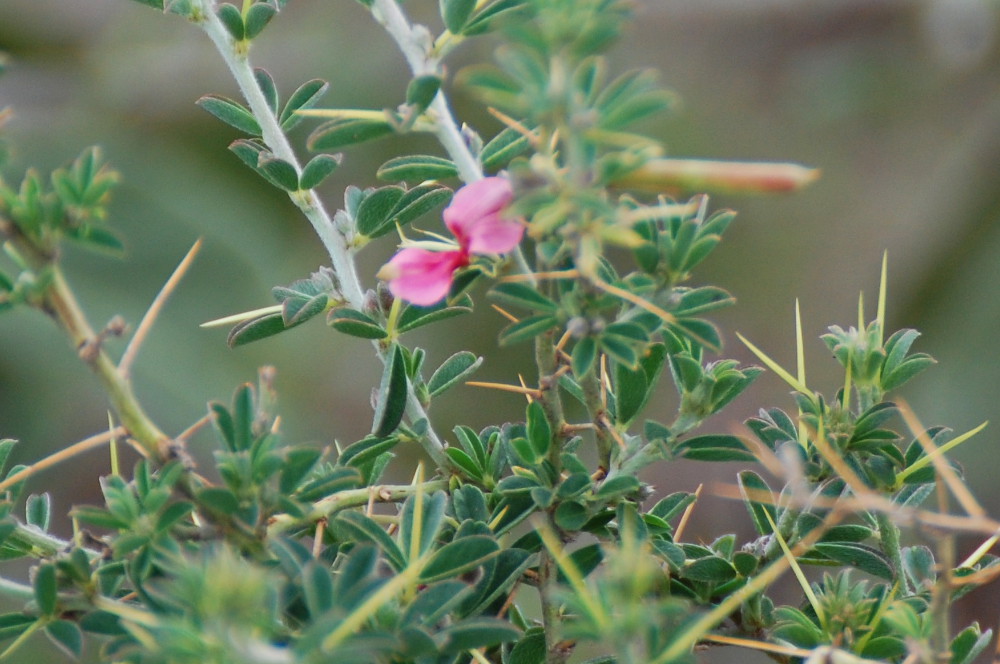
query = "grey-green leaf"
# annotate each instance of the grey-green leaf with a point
(230, 112)
(417, 168)
(456, 13)
(452, 371)
(232, 19)
(460, 556)
(392, 394)
(342, 132)
(258, 16)
(318, 169)
(306, 96)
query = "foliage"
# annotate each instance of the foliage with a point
(286, 553)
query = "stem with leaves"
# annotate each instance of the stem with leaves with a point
(235, 56)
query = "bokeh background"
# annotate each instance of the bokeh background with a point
(897, 101)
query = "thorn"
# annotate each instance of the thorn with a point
(509, 316)
(128, 357)
(503, 387)
(687, 514)
(534, 276)
(515, 125)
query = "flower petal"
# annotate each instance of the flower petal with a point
(474, 202)
(494, 235)
(420, 276)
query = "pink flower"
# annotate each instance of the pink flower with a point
(422, 276)
(474, 217)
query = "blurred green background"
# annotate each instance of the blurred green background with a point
(897, 101)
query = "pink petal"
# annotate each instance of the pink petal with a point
(474, 202)
(494, 235)
(420, 276)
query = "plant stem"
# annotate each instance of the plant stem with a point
(341, 500)
(333, 239)
(414, 43)
(274, 137)
(591, 386)
(62, 304)
(889, 534)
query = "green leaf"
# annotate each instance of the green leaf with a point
(298, 462)
(392, 394)
(416, 202)
(621, 485)
(318, 169)
(417, 168)
(865, 558)
(267, 87)
(527, 328)
(462, 459)
(45, 588)
(571, 516)
(530, 649)
(431, 521)
(295, 310)
(232, 19)
(711, 569)
(701, 300)
(38, 511)
(506, 145)
(278, 171)
(317, 585)
(305, 97)
(97, 238)
(219, 500)
(620, 351)
(343, 132)
(584, 356)
(364, 529)
(456, 13)
(258, 16)
(472, 633)
(634, 386)
(539, 431)
(414, 316)
(755, 490)
(172, 514)
(420, 91)
(435, 601)
(969, 643)
(458, 557)
(487, 18)
(255, 329)
(715, 447)
(376, 209)
(358, 453)
(66, 635)
(452, 371)
(356, 324)
(102, 622)
(230, 112)
(918, 564)
(523, 295)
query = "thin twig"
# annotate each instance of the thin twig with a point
(941, 467)
(62, 455)
(146, 324)
(504, 387)
(687, 514)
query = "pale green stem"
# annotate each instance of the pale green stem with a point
(274, 137)
(415, 43)
(15, 590)
(308, 201)
(328, 506)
